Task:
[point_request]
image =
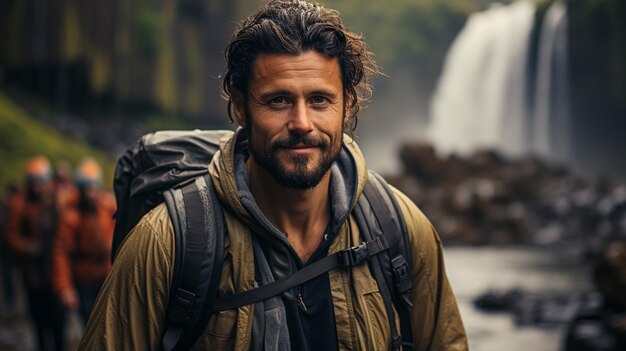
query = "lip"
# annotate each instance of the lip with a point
(300, 149)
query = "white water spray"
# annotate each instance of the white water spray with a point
(481, 99)
(550, 123)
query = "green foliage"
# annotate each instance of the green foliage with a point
(22, 137)
(162, 121)
(149, 29)
(405, 32)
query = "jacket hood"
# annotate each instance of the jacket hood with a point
(230, 177)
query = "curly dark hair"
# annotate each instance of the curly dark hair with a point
(294, 27)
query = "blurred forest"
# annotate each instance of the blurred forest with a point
(126, 67)
(105, 72)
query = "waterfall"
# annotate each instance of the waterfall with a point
(550, 123)
(481, 100)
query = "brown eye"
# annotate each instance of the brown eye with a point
(279, 101)
(317, 100)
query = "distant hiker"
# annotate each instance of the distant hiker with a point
(66, 192)
(310, 250)
(31, 226)
(6, 255)
(82, 245)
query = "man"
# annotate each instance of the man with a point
(288, 180)
(64, 188)
(82, 245)
(7, 261)
(32, 220)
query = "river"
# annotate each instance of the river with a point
(473, 270)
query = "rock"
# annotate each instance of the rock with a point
(486, 198)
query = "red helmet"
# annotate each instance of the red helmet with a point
(88, 173)
(38, 169)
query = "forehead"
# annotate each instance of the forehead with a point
(285, 71)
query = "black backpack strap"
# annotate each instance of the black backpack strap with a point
(386, 249)
(199, 232)
(391, 268)
(197, 218)
(343, 259)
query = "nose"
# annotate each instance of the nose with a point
(300, 119)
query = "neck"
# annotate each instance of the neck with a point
(301, 214)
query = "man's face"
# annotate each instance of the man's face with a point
(294, 114)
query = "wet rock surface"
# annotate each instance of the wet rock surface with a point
(532, 309)
(590, 321)
(485, 198)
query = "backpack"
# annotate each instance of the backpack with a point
(172, 167)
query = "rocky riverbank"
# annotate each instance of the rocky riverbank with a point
(485, 198)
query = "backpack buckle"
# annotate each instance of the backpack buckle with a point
(401, 274)
(353, 256)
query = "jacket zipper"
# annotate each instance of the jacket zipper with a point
(301, 302)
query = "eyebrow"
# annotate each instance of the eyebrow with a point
(279, 92)
(273, 93)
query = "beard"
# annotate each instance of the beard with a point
(301, 175)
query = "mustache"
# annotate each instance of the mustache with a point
(298, 140)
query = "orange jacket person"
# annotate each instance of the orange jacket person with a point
(82, 245)
(31, 225)
(66, 192)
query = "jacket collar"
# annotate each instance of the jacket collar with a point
(230, 177)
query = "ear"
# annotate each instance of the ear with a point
(238, 106)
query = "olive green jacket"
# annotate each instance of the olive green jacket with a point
(130, 311)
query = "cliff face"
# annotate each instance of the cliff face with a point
(156, 55)
(597, 52)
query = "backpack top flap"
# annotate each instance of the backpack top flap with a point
(155, 163)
